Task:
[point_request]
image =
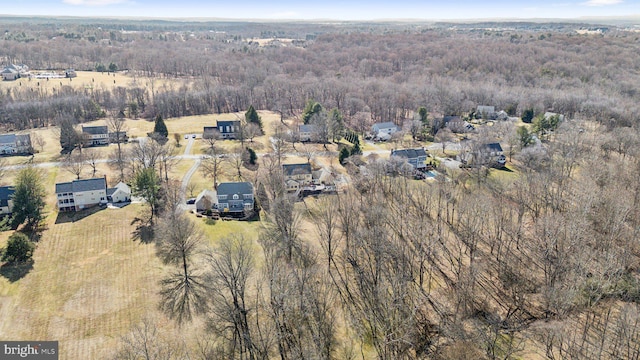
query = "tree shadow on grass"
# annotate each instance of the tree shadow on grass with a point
(143, 231)
(16, 271)
(505, 169)
(73, 216)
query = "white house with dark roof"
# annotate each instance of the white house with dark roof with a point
(81, 194)
(234, 198)
(6, 200)
(13, 72)
(95, 135)
(415, 157)
(383, 131)
(13, 144)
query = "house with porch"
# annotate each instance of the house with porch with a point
(95, 135)
(13, 72)
(235, 198)
(81, 194)
(417, 158)
(6, 200)
(15, 144)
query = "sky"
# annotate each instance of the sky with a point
(327, 9)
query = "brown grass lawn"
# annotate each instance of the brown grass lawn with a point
(90, 282)
(87, 80)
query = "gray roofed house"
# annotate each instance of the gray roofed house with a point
(415, 157)
(6, 203)
(119, 193)
(487, 112)
(296, 169)
(96, 135)
(229, 129)
(234, 198)
(206, 200)
(11, 144)
(80, 194)
(307, 132)
(209, 132)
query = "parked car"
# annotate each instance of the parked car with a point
(193, 136)
(191, 201)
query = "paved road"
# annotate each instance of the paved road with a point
(187, 178)
(187, 149)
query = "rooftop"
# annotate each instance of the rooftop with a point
(81, 185)
(409, 153)
(95, 130)
(296, 169)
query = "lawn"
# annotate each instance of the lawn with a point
(89, 283)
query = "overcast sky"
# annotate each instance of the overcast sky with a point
(326, 9)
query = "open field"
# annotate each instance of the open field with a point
(90, 282)
(87, 80)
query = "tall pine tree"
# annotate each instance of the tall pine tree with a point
(160, 128)
(252, 117)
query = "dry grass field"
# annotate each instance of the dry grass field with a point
(87, 80)
(89, 283)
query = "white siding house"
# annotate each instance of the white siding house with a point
(81, 194)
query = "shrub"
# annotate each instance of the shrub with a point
(19, 248)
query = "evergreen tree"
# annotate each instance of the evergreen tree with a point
(28, 199)
(344, 153)
(69, 137)
(356, 150)
(311, 109)
(336, 123)
(146, 184)
(160, 128)
(422, 113)
(19, 248)
(252, 117)
(252, 156)
(527, 116)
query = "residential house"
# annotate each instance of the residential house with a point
(235, 198)
(206, 200)
(12, 144)
(95, 135)
(6, 202)
(70, 73)
(296, 176)
(456, 124)
(81, 194)
(229, 129)
(486, 112)
(415, 157)
(307, 132)
(118, 194)
(13, 72)
(383, 131)
(489, 154)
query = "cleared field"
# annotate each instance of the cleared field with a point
(87, 80)
(90, 282)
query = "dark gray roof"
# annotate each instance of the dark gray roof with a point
(95, 130)
(81, 185)
(110, 191)
(307, 128)
(7, 138)
(296, 169)
(230, 188)
(6, 192)
(450, 118)
(228, 123)
(384, 125)
(210, 128)
(494, 147)
(409, 153)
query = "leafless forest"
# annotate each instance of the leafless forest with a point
(544, 265)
